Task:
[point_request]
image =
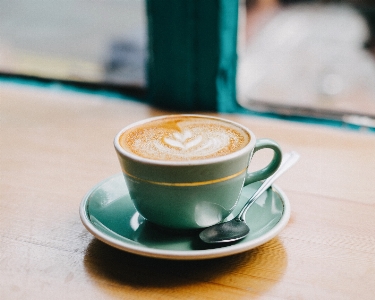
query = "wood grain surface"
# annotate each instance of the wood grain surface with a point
(56, 144)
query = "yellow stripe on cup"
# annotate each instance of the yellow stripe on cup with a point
(187, 184)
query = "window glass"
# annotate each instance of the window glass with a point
(295, 57)
(77, 40)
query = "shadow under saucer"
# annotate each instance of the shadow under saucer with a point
(260, 269)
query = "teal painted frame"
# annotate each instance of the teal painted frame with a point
(111, 94)
(192, 46)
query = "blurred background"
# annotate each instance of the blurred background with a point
(99, 41)
(314, 58)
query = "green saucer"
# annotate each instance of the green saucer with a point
(108, 213)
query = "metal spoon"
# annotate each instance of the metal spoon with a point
(237, 228)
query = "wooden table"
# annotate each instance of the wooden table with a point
(56, 144)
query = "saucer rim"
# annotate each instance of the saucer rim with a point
(142, 250)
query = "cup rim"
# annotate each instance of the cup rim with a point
(120, 150)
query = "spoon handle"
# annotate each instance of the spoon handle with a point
(289, 159)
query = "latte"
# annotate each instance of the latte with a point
(182, 138)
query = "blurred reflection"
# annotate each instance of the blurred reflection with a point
(308, 55)
(84, 41)
(295, 57)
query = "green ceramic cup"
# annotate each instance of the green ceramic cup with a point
(190, 193)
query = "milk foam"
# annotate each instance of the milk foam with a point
(184, 138)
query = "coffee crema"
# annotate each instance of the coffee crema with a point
(182, 138)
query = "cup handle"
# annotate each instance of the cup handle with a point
(271, 167)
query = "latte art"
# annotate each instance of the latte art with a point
(188, 144)
(180, 138)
